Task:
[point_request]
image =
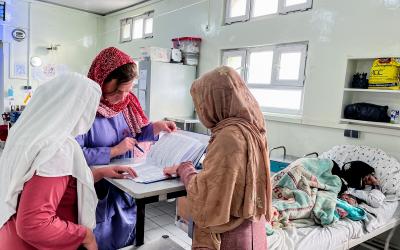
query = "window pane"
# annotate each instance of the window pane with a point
(149, 26)
(237, 8)
(234, 62)
(126, 30)
(265, 7)
(295, 2)
(138, 28)
(260, 67)
(278, 98)
(289, 67)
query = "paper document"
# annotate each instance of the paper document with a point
(170, 149)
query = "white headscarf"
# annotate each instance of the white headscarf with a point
(43, 142)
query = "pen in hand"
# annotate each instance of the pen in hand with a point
(127, 133)
(141, 150)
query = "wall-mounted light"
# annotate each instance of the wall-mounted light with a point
(36, 61)
(53, 47)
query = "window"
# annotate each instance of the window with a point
(243, 10)
(126, 30)
(148, 24)
(237, 10)
(294, 5)
(263, 7)
(260, 66)
(137, 27)
(148, 27)
(235, 59)
(274, 74)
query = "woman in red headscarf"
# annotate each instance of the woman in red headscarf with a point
(120, 123)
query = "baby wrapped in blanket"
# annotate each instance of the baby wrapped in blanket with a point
(359, 184)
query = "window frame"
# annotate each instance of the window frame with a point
(243, 18)
(123, 22)
(252, 17)
(133, 27)
(275, 83)
(287, 48)
(237, 52)
(148, 15)
(249, 14)
(283, 9)
(258, 49)
(131, 22)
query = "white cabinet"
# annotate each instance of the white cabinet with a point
(164, 89)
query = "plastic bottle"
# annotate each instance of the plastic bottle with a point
(10, 96)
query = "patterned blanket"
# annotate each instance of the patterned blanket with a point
(305, 193)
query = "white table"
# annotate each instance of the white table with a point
(146, 194)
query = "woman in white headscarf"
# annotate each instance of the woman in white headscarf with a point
(47, 196)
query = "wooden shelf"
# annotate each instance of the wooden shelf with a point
(372, 90)
(375, 124)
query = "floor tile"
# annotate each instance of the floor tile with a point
(171, 228)
(155, 234)
(163, 220)
(149, 224)
(153, 212)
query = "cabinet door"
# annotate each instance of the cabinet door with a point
(170, 90)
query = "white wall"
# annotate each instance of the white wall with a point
(17, 16)
(77, 32)
(335, 30)
(173, 18)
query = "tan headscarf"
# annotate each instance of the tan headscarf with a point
(235, 182)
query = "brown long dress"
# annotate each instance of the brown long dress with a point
(231, 196)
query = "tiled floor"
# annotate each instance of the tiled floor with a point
(160, 220)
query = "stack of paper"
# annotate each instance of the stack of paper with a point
(169, 150)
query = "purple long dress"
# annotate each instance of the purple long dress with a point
(116, 210)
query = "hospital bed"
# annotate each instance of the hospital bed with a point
(346, 233)
(279, 162)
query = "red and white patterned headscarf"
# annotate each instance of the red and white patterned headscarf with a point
(106, 62)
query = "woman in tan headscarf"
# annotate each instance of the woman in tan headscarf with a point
(231, 197)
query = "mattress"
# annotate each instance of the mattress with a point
(335, 235)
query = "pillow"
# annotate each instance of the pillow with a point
(387, 168)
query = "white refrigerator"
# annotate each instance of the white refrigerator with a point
(163, 89)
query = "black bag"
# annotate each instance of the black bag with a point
(367, 112)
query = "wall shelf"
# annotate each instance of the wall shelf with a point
(368, 123)
(381, 97)
(372, 90)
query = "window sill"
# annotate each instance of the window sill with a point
(283, 117)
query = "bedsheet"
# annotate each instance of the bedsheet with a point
(335, 235)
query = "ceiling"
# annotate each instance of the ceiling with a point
(101, 7)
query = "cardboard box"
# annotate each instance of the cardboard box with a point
(156, 54)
